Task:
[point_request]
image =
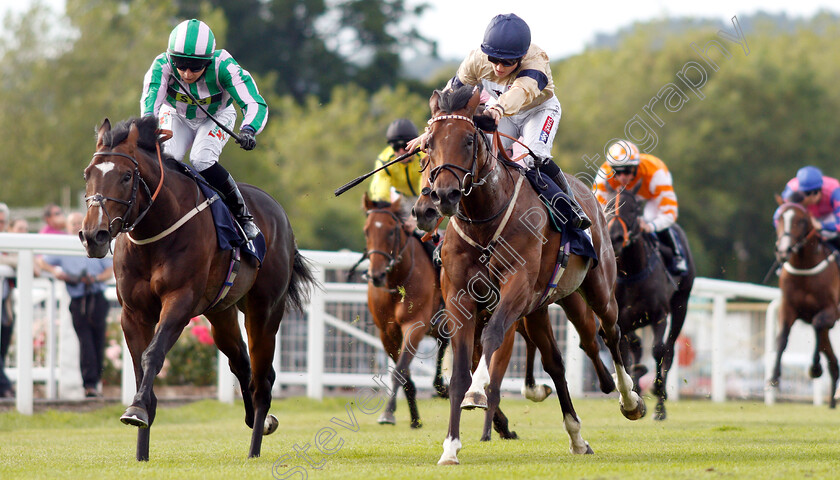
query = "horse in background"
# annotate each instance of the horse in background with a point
(810, 286)
(169, 268)
(647, 294)
(502, 260)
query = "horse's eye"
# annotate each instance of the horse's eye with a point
(469, 141)
(127, 177)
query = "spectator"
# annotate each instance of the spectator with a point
(8, 262)
(54, 221)
(19, 225)
(85, 279)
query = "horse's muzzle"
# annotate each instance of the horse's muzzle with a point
(446, 200)
(96, 245)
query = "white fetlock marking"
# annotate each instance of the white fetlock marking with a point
(628, 398)
(481, 378)
(837, 393)
(451, 447)
(536, 394)
(577, 445)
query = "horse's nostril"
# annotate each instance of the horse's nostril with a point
(454, 196)
(435, 197)
(102, 236)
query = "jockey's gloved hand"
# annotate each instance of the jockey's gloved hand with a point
(246, 137)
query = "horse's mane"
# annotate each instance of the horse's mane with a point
(452, 100)
(148, 128)
(796, 197)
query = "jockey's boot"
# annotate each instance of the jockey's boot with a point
(580, 220)
(221, 180)
(669, 238)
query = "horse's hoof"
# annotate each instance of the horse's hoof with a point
(271, 424)
(474, 400)
(510, 436)
(637, 412)
(448, 461)
(582, 451)
(815, 371)
(538, 393)
(387, 418)
(135, 416)
(417, 423)
(773, 383)
(442, 392)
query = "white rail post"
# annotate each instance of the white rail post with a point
(770, 322)
(52, 363)
(574, 362)
(24, 398)
(315, 337)
(718, 374)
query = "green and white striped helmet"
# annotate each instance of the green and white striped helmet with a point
(192, 39)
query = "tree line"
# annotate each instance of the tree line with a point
(733, 117)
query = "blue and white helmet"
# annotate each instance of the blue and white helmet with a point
(507, 36)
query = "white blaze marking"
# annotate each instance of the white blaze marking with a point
(105, 167)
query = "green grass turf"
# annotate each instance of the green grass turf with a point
(207, 439)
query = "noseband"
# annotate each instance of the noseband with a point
(98, 199)
(393, 260)
(797, 246)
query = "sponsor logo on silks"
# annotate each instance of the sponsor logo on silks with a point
(165, 120)
(185, 99)
(217, 133)
(546, 129)
(497, 92)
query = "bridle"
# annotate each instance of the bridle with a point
(796, 246)
(97, 199)
(469, 173)
(630, 232)
(393, 260)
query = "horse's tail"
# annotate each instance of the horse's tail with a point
(301, 283)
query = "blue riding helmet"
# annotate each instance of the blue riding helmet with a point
(810, 178)
(507, 36)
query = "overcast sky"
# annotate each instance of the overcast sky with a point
(560, 27)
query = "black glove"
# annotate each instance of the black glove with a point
(246, 137)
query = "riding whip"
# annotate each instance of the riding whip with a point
(197, 104)
(358, 180)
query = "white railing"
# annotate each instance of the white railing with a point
(319, 321)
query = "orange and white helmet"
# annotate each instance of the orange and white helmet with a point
(623, 154)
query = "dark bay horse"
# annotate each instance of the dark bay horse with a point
(502, 260)
(403, 296)
(647, 293)
(167, 275)
(810, 285)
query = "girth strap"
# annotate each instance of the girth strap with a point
(231, 277)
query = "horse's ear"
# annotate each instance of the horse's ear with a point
(101, 131)
(395, 205)
(474, 100)
(367, 203)
(779, 199)
(433, 102)
(133, 136)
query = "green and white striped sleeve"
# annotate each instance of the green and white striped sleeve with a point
(241, 86)
(153, 96)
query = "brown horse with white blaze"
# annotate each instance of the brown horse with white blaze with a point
(810, 285)
(502, 259)
(169, 269)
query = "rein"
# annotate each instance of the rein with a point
(796, 247)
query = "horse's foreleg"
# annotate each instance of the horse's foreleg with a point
(498, 367)
(412, 335)
(138, 336)
(261, 324)
(228, 339)
(463, 330)
(439, 385)
(391, 341)
(786, 320)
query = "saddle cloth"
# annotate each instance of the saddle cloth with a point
(228, 233)
(559, 209)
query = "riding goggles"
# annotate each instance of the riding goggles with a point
(624, 170)
(506, 62)
(398, 145)
(188, 63)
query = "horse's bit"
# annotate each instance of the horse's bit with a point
(392, 259)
